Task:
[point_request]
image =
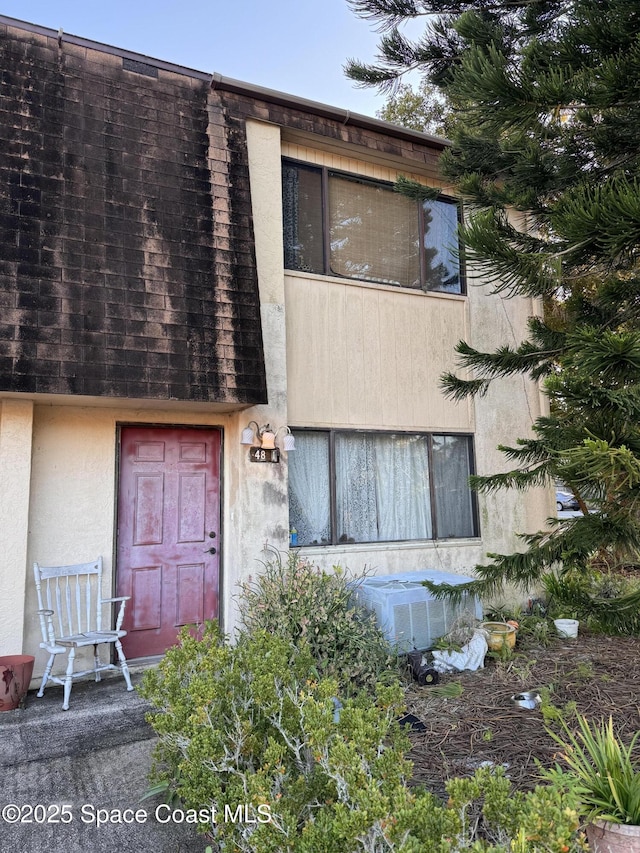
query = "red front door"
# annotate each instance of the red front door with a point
(168, 533)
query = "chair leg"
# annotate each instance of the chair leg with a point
(123, 664)
(96, 663)
(68, 679)
(45, 676)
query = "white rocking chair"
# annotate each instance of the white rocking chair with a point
(70, 611)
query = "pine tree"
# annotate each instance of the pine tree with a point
(546, 153)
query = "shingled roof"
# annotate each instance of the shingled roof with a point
(127, 264)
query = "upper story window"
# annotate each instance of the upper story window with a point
(344, 225)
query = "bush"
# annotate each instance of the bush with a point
(608, 602)
(302, 603)
(244, 726)
(602, 769)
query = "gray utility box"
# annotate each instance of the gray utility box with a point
(407, 613)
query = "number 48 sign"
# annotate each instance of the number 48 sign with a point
(259, 454)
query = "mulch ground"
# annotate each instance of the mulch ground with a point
(601, 675)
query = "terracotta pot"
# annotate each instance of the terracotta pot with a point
(499, 633)
(613, 837)
(15, 675)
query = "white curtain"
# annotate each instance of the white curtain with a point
(356, 502)
(402, 474)
(309, 504)
(382, 488)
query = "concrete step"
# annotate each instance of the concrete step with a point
(101, 715)
(93, 760)
(90, 803)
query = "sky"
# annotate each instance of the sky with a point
(294, 46)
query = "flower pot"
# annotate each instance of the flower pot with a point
(499, 633)
(15, 675)
(566, 627)
(613, 837)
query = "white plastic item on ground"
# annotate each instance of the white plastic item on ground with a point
(566, 627)
(471, 656)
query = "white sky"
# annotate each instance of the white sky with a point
(294, 46)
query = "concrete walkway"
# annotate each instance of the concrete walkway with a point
(81, 767)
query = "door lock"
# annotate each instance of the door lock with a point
(212, 535)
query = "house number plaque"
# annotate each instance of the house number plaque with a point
(259, 454)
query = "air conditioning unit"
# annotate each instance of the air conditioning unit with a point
(407, 613)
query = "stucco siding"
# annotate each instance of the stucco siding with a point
(16, 431)
(370, 356)
(367, 356)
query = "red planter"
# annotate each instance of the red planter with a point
(15, 675)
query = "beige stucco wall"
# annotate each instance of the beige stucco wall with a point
(16, 422)
(363, 355)
(256, 494)
(503, 415)
(370, 356)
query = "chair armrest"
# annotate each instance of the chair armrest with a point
(123, 600)
(46, 626)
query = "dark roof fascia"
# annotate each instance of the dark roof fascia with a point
(228, 84)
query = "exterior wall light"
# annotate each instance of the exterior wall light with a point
(248, 434)
(266, 436)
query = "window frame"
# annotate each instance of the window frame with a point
(332, 432)
(325, 173)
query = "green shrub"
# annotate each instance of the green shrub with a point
(608, 602)
(602, 769)
(300, 602)
(244, 726)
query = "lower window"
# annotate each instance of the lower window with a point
(380, 487)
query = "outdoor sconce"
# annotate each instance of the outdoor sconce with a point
(266, 435)
(288, 442)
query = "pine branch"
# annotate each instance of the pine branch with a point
(614, 357)
(372, 75)
(530, 451)
(570, 542)
(412, 189)
(513, 262)
(520, 479)
(387, 13)
(460, 389)
(506, 361)
(605, 219)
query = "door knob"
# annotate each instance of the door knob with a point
(209, 550)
